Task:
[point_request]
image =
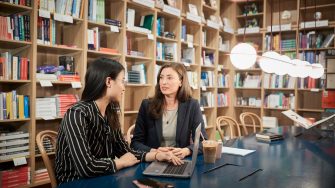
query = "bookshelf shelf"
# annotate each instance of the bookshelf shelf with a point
(164, 39)
(14, 120)
(210, 127)
(161, 62)
(222, 107)
(331, 5)
(246, 88)
(249, 70)
(208, 8)
(209, 87)
(131, 112)
(9, 7)
(223, 87)
(315, 49)
(250, 15)
(50, 153)
(250, 35)
(138, 58)
(15, 81)
(252, 107)
(266, 108)
(137, 33)
(279, 89)
(310, 110)
(139, 6)
(57, 49)
(59, 82)
(12, 44)
(97, 54)
(209, 107)
(95, 24)
(208, 48)
(138, 85)
(207, 66)
(311, 90)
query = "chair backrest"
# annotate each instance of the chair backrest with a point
(130, 133)
(52, 135)
(253, 118)
(233, 126)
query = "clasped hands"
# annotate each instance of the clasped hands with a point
(171, 154)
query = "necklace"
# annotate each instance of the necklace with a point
(169, 119)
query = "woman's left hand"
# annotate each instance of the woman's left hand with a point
(181, 153)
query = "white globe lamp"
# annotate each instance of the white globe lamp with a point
(293, 71)
(303, 69)
(243, 56)
(317, 71)
(267, 61)
(282, 65)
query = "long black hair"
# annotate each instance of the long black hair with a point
(95, 85)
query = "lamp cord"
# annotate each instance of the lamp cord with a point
(271, 41)
(245, 23)
(280, 42)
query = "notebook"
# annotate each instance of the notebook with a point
(165, 169)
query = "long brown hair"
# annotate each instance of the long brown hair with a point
(156, 104)
(95, 86)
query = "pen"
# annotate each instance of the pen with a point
(250, 174)
(225, 164)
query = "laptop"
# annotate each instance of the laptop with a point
(165, 169)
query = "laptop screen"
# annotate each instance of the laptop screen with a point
(196, 146)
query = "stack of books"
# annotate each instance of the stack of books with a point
(134, 77)
(13, 144)
(268, 137)
(16, 177)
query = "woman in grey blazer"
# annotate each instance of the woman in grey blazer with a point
(167, 121)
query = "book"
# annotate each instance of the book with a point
(268, 135)
(301, 121)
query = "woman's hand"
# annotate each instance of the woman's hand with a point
(181, 153)
(169, 157)
(126, 160)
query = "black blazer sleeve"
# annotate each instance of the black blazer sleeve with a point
(140, 135)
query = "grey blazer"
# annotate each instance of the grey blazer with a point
(148, 131)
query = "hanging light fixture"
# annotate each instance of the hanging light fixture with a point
(243, 55)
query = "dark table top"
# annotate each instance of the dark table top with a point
(292, 162)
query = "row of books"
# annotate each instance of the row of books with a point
(56, 106)
(129, 48)
(223, 99)
(137, 74)
(186, 37)
(277, 44)
(292, 55)
(145, 25)
(280, 100)
(48, 147)
(188, 55)
(207, 78)
(207, 58)
(315, 40)
(15, 27)
(41, 175)
(278, 81)
(166, 51)
(310, 83)
(223, 80)
(160, 27)
(96, 39)
(247, 80)
(18, 2)
(16, 177)
(13, 67)
(96, 10)
(312, 57)
(192, 79)
(46, 31)
(207, 99)
(65, 7)
(249, 101)
(268, 137)
(13, 106)
(224, 45)
(14, 144)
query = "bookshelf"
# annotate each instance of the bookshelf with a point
(191, 35)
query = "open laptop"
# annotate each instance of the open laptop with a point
(165, 169)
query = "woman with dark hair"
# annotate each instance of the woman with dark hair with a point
(167, 121)
(89, 137)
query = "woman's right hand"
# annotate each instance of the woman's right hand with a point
(169, 157)
(127, 160)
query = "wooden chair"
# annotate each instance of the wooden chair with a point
(254, 118)
(52, 135)
(130, 133)
(231, 124)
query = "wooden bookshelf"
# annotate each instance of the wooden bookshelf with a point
(77, 46)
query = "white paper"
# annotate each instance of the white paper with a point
(203, 88)
(193, 17)
(212, 24)
(186, 64)
(150, 36)
(236, 151)
(19, 161)
(147, 3)
(43, 13)
(63, 18)
(45, 83)
(48, 118)
(202, 108)
(114, 29)
(314, 90)
(171, 10)
(302, 121)
(76, 85)
(189, 45)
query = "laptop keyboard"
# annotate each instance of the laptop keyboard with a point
(174, 169)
